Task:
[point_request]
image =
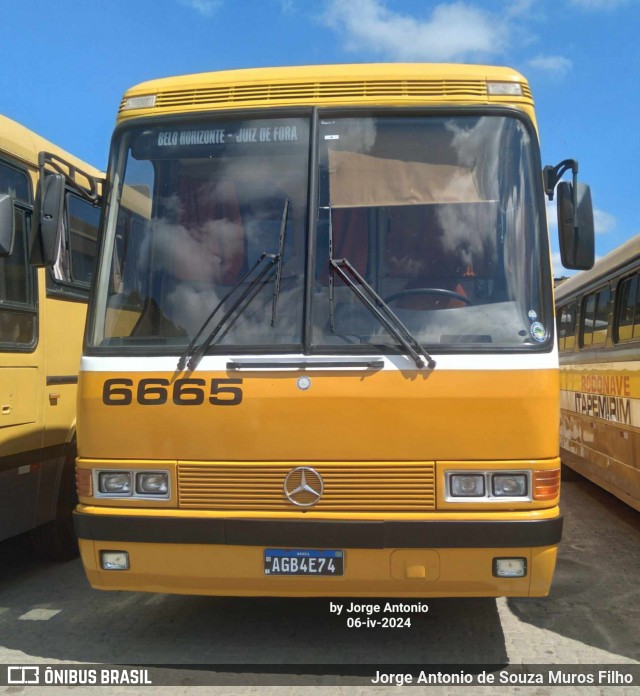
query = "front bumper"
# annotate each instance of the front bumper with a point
(219, 555)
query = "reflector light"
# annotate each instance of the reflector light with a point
(504, 89)
(84, 482)
(146, 102)
(546, 484)
(114, 560)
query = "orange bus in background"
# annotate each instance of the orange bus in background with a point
(599, 338)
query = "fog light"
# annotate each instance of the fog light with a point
(152, 483)
(509, 485)
(510, 567)
(114, 560)
(467, 485)
(115, 482)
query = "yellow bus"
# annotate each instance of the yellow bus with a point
(42, 314)
(599, 339)
(324, 361)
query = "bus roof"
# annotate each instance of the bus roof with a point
(603, 267)
(379, 83)
(23, 144)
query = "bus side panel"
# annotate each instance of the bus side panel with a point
(600, 426)
(64, 324)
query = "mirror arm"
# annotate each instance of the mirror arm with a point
(552, 176)
(70, 172)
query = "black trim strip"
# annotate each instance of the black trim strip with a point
(62, 379)
(36, 456)
(319, 533)
(238, 365)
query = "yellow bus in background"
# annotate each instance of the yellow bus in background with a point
(323, 361)
(599, 339)
(42, 314)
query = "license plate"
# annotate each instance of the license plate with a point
(303, 562)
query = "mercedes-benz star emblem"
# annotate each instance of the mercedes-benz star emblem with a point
(303, 486)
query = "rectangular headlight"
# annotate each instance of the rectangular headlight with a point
(152, 483)
(115, 482)
(467, 485)
(509, 485)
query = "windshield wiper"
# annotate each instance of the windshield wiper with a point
(376, 305)
(385, 315)
(281, 243)
(192, 354)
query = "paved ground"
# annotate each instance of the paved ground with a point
(48, 614)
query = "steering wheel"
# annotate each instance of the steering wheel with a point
(439, 292)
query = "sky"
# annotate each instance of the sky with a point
(66, 64)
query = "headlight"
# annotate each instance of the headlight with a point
(115, 482)
(491, 485)
(132, 484)
(152, 483)
(509, 485)
(467, 485)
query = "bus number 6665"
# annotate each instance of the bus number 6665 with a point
(183, 392)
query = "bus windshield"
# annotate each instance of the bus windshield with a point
(440, 215)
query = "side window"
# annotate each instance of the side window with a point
(17, 287)
(82, 220)
(595, 318)
(628, 309)
(567, 326)
(77, 250)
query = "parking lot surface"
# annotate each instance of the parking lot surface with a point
(49, 615)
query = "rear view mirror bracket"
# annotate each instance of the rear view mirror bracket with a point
(575, 215)
(55, 176)
(7, 225)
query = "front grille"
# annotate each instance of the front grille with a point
(348, 486)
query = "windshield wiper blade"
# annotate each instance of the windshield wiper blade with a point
(381, 310)
(281, 243)
(192, 354)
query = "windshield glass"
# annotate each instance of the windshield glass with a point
(440, 216)
(198, 206)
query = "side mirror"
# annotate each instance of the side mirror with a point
(7, 225)
(575, 226)
(48, 219)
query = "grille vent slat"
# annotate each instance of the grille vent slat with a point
(311, 92)
(357, 487)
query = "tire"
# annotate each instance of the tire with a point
(56, 540)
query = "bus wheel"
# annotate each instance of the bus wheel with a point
(56, 540)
